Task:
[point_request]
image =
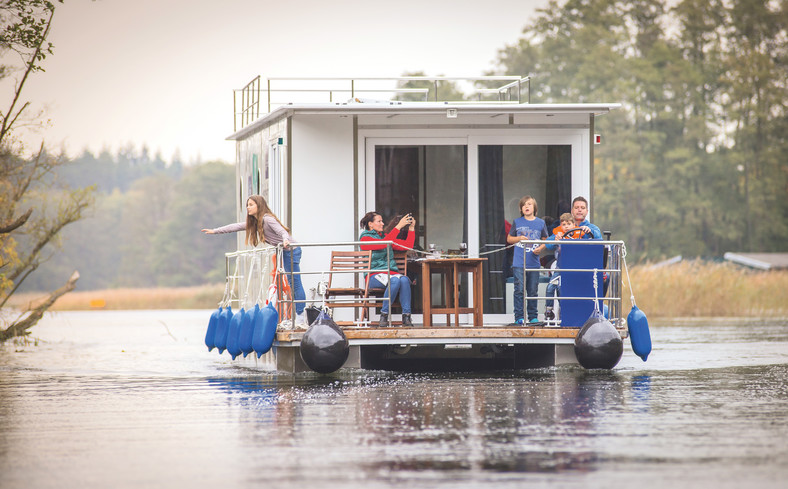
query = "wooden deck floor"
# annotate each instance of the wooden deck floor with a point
(493, 333)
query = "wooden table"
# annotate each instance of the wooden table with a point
(451, 268)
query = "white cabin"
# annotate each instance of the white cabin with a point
(323, 154)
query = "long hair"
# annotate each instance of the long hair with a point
(254, 224)
(526, 199)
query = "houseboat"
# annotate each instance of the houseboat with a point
(323, 152)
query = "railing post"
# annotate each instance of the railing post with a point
(243, 107)
(257, 116)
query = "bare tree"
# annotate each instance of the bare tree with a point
(33, 208)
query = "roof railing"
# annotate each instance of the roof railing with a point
(258, 98)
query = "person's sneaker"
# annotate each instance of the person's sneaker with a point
(548, 315)
(406, 321)
(300, 321)
(534, 321)
(518, 322)
(384, 321)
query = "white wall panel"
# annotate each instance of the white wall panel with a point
(322, 194)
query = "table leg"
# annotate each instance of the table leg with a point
(478, 305)
(426, 294)
(456, 278)
(448, 292)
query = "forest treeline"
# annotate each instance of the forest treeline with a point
(694, 163)
(144, 229)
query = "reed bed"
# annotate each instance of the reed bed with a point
(200, 297)
(685, 289)
(705, 289)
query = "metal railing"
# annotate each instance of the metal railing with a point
(614, 251)
(249, 101)
(255, 270)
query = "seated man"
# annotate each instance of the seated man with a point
(567, 224)
(579, 213)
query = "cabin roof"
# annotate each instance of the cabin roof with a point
(389, 108)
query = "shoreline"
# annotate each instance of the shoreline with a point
(690, 289)
(197, 297)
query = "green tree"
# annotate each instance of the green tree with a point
(90, 245)
(756, 74)
(115, 245)
(182, 255)
(694, 161)
(145, 210)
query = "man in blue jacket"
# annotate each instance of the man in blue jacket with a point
(579, 213)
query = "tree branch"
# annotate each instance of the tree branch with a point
(21, 326)
(70, 214)
(17, 283)
(19, 112)
(7, 228)
(30, 67)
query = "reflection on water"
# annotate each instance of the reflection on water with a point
(134, 400)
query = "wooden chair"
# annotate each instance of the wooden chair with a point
(401, 257)
(354, 263)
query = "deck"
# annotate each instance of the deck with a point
(485, 343)
(447, 335)
(420, 349)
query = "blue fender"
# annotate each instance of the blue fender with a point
(220, 340)
(265, 330)
(210, 334)
(247, 328)
(233, 346)
(639, 335)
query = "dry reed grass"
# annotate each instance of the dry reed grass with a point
(686, 289)
(201, 297)
(703, 289)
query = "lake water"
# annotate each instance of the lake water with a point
(134, 399)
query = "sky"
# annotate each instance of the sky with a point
(161, 73)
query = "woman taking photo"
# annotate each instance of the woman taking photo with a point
(396, 285)
(262, 226)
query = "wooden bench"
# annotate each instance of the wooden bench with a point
(354, 263)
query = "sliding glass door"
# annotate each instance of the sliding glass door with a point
(507, 173)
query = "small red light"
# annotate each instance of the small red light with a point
(597, 139)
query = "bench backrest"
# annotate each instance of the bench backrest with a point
(349, 261)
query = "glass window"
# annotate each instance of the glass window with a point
(430, 182)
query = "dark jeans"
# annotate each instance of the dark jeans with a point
(531, 288)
